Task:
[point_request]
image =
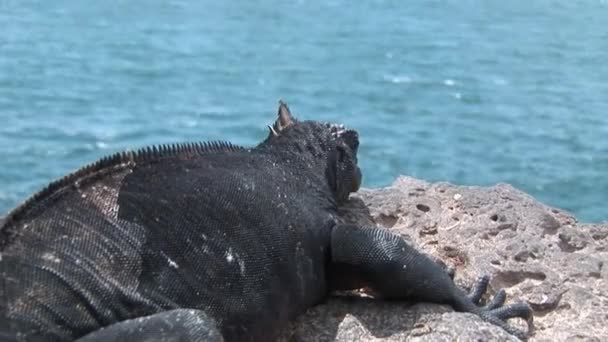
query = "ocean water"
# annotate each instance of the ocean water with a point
(470, 92)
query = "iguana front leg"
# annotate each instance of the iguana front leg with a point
(174, 325)
(384, 262)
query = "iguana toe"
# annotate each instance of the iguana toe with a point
(479, 289)
(498, 300)
(520, 310)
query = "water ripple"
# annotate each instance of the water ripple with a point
(451, 90)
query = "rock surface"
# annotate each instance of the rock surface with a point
(538, 254)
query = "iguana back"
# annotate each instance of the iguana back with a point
(241, 233)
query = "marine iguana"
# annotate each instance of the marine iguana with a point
(208, 242)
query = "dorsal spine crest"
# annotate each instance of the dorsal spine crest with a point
(111, 163)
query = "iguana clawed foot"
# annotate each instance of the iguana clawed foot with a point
(496, 312)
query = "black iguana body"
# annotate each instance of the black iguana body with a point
(206, 242)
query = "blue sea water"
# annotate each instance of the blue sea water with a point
(470, 92)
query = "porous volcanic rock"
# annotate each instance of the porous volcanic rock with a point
(538, 254)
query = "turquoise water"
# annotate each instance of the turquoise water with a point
(471, 92)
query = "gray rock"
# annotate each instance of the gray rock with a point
(538, 254)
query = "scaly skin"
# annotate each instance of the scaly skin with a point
(207, 242)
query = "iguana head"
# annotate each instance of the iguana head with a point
(330, 148)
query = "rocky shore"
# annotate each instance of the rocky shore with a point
(538, 254)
